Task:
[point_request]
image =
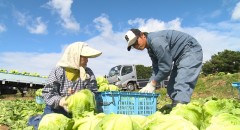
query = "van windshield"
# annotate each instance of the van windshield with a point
(115, 71)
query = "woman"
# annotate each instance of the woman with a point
(70, 75)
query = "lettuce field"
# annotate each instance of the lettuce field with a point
(214, 106)
(205, 114)
(15, 113)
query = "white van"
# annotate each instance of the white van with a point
(125, 77)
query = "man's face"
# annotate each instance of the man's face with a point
(140, 44)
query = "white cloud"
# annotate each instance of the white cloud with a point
(214, 41)
(21, 18)
(224, 26)
(103, 25)
(41, 63)
(63, 8)
(236, 12)
(38, 27)
(213, 38)
(155, 24)
(111, 44)
(34, 26)
(2, 28)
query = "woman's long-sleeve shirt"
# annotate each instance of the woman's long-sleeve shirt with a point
(57, 85)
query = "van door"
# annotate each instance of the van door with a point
(127, 74)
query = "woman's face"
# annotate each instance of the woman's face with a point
(83, 61)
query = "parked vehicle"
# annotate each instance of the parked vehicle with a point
(125, 77)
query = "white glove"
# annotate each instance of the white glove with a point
(149, 88)
(63, 103)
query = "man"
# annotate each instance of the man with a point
(172, 53)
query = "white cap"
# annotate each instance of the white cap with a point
(131, 37)
(73, 52)
(89, 52)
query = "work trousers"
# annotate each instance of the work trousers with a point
(185, 72)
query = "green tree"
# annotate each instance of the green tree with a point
(143, 72)
(227, 61)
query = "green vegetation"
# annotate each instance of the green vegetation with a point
(214, 104)
(80, 102)
(143, 72)
(103, 85)
(15, 113)
(55, 121)
(16, 72)
(217, 86)
(227, 61)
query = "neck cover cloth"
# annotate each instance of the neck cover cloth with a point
(71, 59)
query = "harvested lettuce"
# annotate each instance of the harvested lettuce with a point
(88, 122)
(215, 107)
(38, 92)
(170, 122)
(103, 85)
(81, 101)
(139, 121)
(55, 121)
(108, 87)
(192, 112)
(224, 121)
(101, 80)
(113, 87)
(116, 122)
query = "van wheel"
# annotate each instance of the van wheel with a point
(131, 87)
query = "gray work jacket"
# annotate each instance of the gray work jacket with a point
(165, 48)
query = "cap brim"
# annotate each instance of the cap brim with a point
(129, 48)
(90, 52)
(131, 42)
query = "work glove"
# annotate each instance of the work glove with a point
(63, 103)
(149, 88)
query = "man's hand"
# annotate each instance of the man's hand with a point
(149, 88)
(63, 103)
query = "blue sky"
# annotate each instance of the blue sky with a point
(34, 33)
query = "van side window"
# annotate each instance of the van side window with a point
(126, 70)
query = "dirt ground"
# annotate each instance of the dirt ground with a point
(4, 127)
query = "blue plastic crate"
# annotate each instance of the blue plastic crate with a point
(129, 103)
(39, 100)
(236, 84)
